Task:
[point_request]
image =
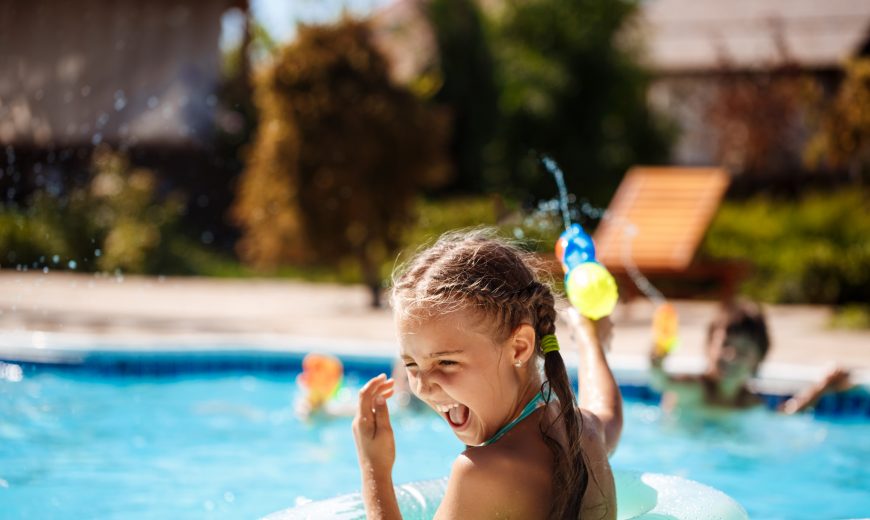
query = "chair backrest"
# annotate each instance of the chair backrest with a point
(658, 217)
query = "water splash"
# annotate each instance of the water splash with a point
(629, 231)
(556, 172)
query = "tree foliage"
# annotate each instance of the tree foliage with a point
(468, 87)
(814, 250)
(571, 87)
(843, 137)
(115, 222)
(339, 155)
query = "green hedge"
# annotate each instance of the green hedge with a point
(816, 250)
(115, 222)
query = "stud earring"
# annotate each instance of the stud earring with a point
(518, 364)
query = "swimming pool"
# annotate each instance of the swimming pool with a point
(209, 438)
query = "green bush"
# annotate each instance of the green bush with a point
(814, 251)
(340, 155)
(113, 223)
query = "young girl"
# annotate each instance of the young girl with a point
(476, 330)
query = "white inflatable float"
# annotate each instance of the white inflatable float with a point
(642, 496)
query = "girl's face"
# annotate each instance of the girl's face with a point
(456, 367)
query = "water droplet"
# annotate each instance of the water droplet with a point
(120, 100)
(45, 270)
(55, 259)
(229, 497)
(72, 264)
(97, 138)
(153, 102)
(98, 252)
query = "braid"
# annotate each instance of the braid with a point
(543, 305)
(570, 472)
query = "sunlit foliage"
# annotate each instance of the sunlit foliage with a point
(843, 139)
(816, 250)
(339, 156)
(114, 223)
(570, 86)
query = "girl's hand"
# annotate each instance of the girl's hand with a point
(604, 330)
(595, 332)
(837, 379)
(372, 431)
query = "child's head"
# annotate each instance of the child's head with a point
(737, 340)
(471, 314)
(477, 273)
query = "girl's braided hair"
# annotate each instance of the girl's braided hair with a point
(476, 271)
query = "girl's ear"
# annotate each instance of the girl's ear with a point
(522, 344)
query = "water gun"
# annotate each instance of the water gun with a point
(591, 289)
(665, 327)
(321, 378)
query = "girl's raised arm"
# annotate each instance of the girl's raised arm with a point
(599, 393)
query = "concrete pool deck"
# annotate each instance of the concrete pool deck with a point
(81, 311)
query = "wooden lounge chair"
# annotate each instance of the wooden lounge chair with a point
(654, 225)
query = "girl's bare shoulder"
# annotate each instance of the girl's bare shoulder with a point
(498, 482)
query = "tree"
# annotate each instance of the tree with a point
(339, 157)
(571, 87)
(468, 88)
(843, 137)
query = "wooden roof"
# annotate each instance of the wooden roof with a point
(658, 217)
(122, 71)
(704, 35)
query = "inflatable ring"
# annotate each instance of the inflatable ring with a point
(641, 496)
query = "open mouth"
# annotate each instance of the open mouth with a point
(456, 414)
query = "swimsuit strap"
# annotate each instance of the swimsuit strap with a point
(536, 402)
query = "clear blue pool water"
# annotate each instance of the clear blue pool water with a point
(230, 446)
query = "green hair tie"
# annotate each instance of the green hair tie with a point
(549, 343)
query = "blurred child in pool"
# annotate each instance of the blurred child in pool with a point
(319, 384)
(476, 331)
(737, 342)
(320, 398)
